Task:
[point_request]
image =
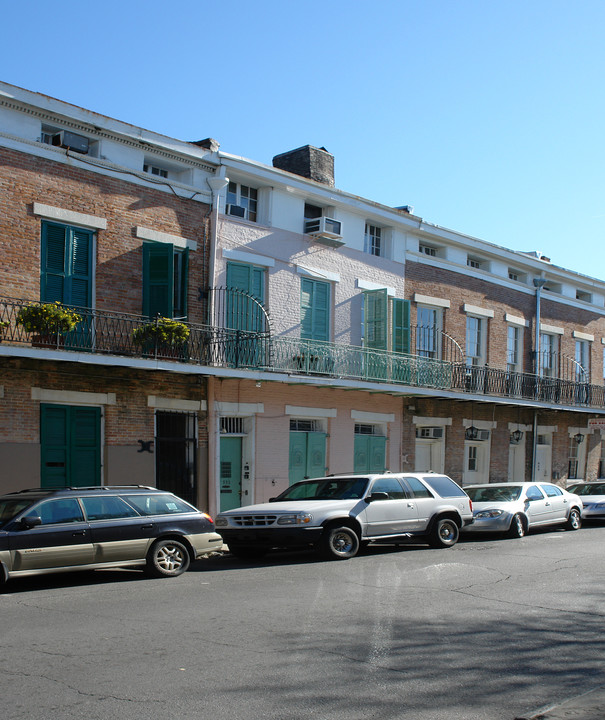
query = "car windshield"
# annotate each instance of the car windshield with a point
(487, 493)
(580, 489)
(11, 507)
(326, 489)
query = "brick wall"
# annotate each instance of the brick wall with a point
(25, 179)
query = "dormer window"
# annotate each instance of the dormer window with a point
(154, 170)
(474, 262)
(427, 250)
(67, 140)
(373, 240)
(242, 201)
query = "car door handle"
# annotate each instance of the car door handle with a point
(411, 505)
(146, 527)
(547, 503)
(79, 532)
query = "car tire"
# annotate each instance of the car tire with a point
(444, 534)
(574, 521)
(246, 553)
(339, 542)
(167, 558)
(517, 527)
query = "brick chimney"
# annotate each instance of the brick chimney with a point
(308, 162)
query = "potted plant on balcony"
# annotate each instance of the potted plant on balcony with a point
(162, 336)
(48, 322)
(3, 325)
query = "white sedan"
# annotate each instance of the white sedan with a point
(515, 508)
(593, 498)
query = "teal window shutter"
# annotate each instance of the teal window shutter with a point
(375, 319)
(315, 310)
(243, 313)
(66, 270)
(401, 326)
(158, 279)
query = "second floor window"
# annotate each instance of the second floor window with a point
(242, 201)
(582, 360)
(475, 340)
(164, 280)
(548, 355)
(314, 310)
(66, 271)
(428, 332)
(373, 240)
(513, 349)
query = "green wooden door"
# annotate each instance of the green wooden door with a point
(245, 283)
(70, 439)
(307, 455)
(230, 473)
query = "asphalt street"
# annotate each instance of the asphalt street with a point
(487, 630)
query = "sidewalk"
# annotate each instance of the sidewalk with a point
(588, 706)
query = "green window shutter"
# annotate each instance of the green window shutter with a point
(375, 310)
(315, 310)
(361, 454)
(66, 271)
(80, 268)
(316, 454)
(183, 289)
(54, 450)
(158, 279)
(377, 453)
(85, 449)
(53, 271)
(242, 312)
(401, 326)
(297, 466)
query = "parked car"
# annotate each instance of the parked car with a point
(43, 531)
(593, 498)
(516, 508)
(336, 515)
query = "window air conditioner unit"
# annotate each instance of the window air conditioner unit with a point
(483, 435)
(236, 211)
(429, 432)
(71, 141)
(325, 230)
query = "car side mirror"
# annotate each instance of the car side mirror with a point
(377, 496)
(30, 521)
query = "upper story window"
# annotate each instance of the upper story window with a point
(475, 340)
(474, 262)
(584, 296)
(385, 322)
(242, 201)
(428, 250)
(373, 240)
(582, 360)
(66, 271)
(428, 331)
(514, 348)
(155, 170)
(549, 346)
(314, 310)
(164, 280)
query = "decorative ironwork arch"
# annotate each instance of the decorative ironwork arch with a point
(236, 309)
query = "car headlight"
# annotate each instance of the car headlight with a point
(295, 519)
(488, 514)
(221, 521)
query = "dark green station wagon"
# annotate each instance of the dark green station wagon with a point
(44, 531)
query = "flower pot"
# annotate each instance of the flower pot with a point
(47, 341)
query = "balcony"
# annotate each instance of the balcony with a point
(110, 334)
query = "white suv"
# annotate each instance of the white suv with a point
(338, 514)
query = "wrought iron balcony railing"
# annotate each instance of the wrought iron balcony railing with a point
(112, 334)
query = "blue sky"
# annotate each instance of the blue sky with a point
(486, 116)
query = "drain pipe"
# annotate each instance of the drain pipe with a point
(217, 184)
(539, 283)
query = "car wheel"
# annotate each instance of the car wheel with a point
(246, 553)
(339, 543)
(574, 521)
(517, 527)
(167, 558)
(444, 534)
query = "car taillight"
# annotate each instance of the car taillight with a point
(470, 502)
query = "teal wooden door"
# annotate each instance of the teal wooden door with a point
(230, 473)
(369, 454)
(70, 440)
(314, 310)
(307, 455)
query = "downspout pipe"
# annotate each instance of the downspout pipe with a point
(539, 283)
(217, 184)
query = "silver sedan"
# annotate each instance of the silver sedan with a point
(515, 508)
(593, 499)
